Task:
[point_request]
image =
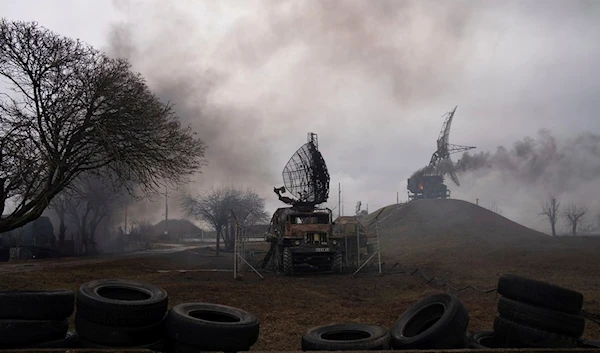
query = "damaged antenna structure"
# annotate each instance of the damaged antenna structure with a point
(301, 235)
(428, 182)
(305, 176)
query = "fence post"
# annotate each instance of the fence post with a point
(378, 246)
(357, 245)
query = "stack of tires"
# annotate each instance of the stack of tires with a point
(36, 319)
(118, 313)
(533, 314)
(194, 327)
(437, 322)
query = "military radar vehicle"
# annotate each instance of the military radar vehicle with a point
(301, 235)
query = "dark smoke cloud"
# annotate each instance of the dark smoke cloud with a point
(280, 71)
(519, 178)
(542, 161)
(347, 69)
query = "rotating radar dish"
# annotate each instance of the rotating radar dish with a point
(305, 176)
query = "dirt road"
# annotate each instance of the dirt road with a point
(34, 265)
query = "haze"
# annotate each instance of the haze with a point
(372, 78)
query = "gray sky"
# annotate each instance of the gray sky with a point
(372, 78)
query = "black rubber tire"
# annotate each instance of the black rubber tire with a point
(212, 327)
(485, 340)
(542, 318)
(588, 344)
(337, 263)
(288, 262)
(133, 303)
(157, 346)
(71, 340)
(36, 305)
(346, 337)
(27, 332)
(522, 336)
(540, 293)
(117, 335)
(437, 322)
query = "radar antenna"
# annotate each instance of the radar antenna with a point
(305, 176)
(445, 149)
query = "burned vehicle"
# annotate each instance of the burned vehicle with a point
(427, 187)
(301, 235)
(428, 182)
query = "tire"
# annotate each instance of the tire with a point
(485, 340)
(117, 335)
(522, 336)
(121, 303)
(27, 332)
(71, 340)
(346, 337)
(539, 293)
(212, 327)
(288, 262)
(336, 262)
(588, 344)
(154, 346)
(437, 322)
(37, 305)
(542, 318)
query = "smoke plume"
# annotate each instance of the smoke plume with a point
(521, 177)
(253, 77)
(254, 88)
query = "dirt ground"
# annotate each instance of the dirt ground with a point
(455, 241)
(286, 306)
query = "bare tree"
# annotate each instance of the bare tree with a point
(140, 233)
(215, 206)
(60, 204)
(550, 210)
(69, 109)
(573, 214)
(495, 208)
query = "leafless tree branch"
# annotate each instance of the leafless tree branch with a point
(573, 214)
(215, 206)
(67, 110)
(550, 210)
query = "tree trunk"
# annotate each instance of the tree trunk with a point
(553, 230)
(62, 230)
(574, 228)
(218, 241)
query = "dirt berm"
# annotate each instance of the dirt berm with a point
(469, 243)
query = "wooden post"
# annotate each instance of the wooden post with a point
(378, 246)
(357, 245)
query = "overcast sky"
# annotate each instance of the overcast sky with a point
(372, 78)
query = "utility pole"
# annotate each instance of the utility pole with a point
(397, 197)
(166, 210)
(339, 199)
(342, 203)
(125, 230)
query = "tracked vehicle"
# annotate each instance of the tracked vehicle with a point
(301, 235)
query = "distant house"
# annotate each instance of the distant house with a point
(39, 232)
(176, 229)
(347, 225)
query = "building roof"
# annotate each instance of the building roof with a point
(346, 220)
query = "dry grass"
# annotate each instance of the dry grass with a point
(476, 250)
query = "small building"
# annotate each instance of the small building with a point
(347, 225)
